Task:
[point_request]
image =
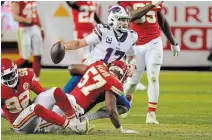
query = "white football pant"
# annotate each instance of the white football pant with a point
(30, 41)
(149, 55)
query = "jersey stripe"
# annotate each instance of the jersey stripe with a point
(116, 90)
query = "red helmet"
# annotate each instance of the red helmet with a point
(121, 67)
(9, 73)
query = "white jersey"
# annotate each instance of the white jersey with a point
(108, 45)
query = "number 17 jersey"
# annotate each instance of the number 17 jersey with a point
(95, 81)
(109, 46)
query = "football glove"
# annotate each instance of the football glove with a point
(175, 49)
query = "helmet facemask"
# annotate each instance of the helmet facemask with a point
(10, 78)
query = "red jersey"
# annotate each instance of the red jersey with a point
(96, 80)
(147, 27)
(14, 101)
(84, 20)
(28, 9)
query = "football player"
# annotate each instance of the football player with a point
(149, 49)
(99, 81)
(29, 33)
(113, 41)
(84, 15)
(25, 115)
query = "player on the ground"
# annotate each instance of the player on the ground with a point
(149, 49)
(98, 79)
(112, 42)
(30, 40)
(84, 16)
(25, 115)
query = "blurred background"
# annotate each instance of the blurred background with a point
(191, 25)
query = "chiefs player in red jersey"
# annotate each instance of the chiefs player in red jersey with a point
(98, 78)
(23, 114)
(29, 33)
(147, 20)
(84, 16)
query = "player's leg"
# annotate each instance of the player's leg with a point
(154, 58)
(37, 44)
(130, 85)
(57, 96)
(29, 119)
(123, 106)
(24, 44)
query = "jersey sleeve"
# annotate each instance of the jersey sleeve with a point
(115, 86)
(96, 36)
(131, 51)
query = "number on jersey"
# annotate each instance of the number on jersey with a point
(150, 16)
(99, 81)
(30, 10)
(17, 104)
(85, 16)
(109, 53)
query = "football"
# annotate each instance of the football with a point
(57, 52)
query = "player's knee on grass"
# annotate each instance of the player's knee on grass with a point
(72, 83)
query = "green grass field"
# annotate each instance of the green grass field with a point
(184, 111)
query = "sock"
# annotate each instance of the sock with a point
(63, 103)
(50, 116)
(72, 83)
(36, 65)
(20, 62)
(152, 107)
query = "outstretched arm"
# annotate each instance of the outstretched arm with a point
(97, 19)
(77, 69)
(75, 44)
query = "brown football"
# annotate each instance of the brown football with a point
(57, 52)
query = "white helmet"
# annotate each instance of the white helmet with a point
(118, 18)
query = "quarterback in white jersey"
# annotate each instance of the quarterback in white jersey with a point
(112, 41)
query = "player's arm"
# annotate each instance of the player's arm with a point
(110, 101)
(164, 25)
(97, 18)
(15, 9)
(73, 5)
(77, 69)
(91, 39)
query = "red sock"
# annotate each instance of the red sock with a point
(20, 62)
(63, 103)
(152, 107)
(37, 65)
(50, 116)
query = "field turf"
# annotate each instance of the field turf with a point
(184, 111)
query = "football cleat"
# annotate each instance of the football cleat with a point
(151, 118)
(79, 127)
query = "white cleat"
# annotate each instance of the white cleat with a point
(151, 118)
(140, 87)
(79, 127)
